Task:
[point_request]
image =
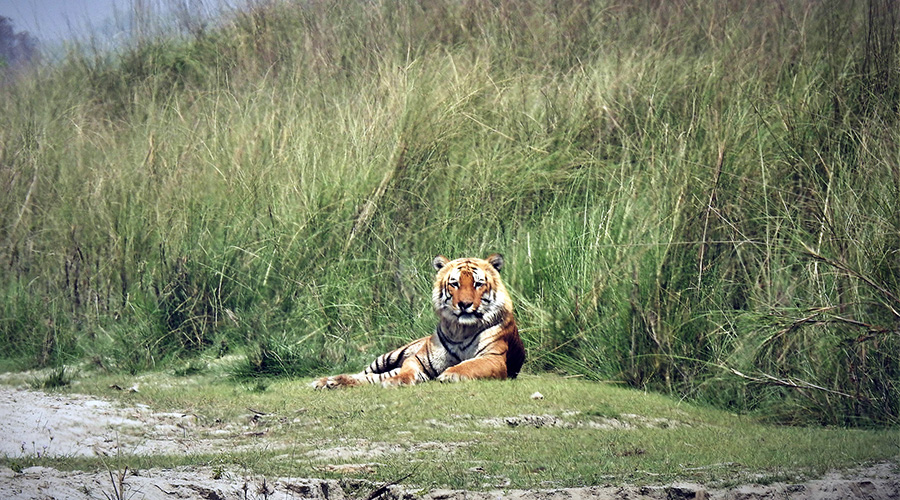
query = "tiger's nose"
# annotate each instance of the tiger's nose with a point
(463, 305)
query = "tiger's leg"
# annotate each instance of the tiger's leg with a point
(352, 379)
(422, 365)
(383, 368)
(488, 365)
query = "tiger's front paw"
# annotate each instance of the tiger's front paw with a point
(401, 379)
(335, 382)
(451, 377)
(321, 383)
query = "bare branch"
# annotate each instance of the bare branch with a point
(765, 378)
(853, 272)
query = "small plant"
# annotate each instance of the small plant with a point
(118, 484)
(16, 466)
(218, 470)
(58, 377)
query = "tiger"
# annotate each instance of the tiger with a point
(476, 335)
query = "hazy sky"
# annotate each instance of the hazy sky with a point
(56, 20)
(53, 21)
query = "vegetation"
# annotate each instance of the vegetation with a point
(693, 197)
(17, 49)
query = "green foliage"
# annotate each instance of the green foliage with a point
(694, 197)
(278, 357)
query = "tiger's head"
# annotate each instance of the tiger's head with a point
(468, 292)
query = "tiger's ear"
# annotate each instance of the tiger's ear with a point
(496, 260)
(439, 262)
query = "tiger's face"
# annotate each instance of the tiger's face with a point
(469, 291)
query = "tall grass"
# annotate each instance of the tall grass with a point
(694, 197)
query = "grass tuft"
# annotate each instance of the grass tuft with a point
(54, 379)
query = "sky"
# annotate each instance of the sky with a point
(53, 22)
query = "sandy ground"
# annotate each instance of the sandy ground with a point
(38, 423)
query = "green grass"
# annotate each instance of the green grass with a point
(456, 436)
(696, 198)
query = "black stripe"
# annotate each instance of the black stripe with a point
(429, 370)
(444, 340)
(474, 338)
(433, 373)
(491, 354)
(489, 344)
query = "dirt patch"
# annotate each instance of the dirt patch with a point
(157, 484)
(879, 482)
(37, 423)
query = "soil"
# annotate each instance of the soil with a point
(34, 423)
